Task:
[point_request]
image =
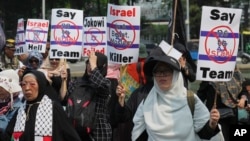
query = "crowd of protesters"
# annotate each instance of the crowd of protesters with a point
(34, 91)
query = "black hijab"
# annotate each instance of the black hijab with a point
(43, 86)
(102, 65)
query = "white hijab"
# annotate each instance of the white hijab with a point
(166, 114)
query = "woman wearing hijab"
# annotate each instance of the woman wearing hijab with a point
(40, 118)
(57, 72)
(10, 100)
(94, 77)
(33, 62)
(165, 113)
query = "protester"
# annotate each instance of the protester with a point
(95, 77)
(125, 111)
(40, 118)
(246, 92)
(224, 95)
(165, 113)
(132, 77)
(9, 96)
(8, 60)
(244, 113)
(113, 74)
(187, 71)
(33, 61)
(57, 72)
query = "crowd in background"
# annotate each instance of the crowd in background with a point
(34, 91)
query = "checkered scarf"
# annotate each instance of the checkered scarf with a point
(43, 123)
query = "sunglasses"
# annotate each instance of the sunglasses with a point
(33, 60)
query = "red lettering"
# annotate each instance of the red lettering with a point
(38, 24)
(20, 24)
(86, 51)
(122, 13)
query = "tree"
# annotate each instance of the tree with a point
(195, 21)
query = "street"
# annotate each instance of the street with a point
(77, 69)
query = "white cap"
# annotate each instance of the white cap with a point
(9, 80)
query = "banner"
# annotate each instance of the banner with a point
(36, 34)
(123, 34)
(94, 35)
(20, 38)
(218, 45)
(66, 33)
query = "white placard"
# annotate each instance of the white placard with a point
(66, 33)
(218, 44)
(123, 34)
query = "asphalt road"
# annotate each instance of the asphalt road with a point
(77, 69)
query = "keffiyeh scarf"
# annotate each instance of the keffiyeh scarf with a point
(43, 123)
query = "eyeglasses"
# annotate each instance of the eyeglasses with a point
(54, 59)
(24, 84)
(162, 72)
(33, 60)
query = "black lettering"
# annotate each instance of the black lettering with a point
(94, 23)
(213, 74)
(85, 22)
(215, 14)
(59, 13)
(32, 47)
(204, 73)
(216, 74)
(66, 14)
(119, 58)
(68, 54)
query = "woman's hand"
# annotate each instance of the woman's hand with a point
(182, 61)
(120, 92)
(64, 74)
(214, 118)
(53, 73)
(241, 102)
(92, 60)
(21, 70)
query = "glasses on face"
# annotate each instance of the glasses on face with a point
(162, 72)
(54, 59)
(33, 60)
(24, 84)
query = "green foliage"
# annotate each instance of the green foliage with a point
(195, 21)
(156, 32)
(12, 10)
